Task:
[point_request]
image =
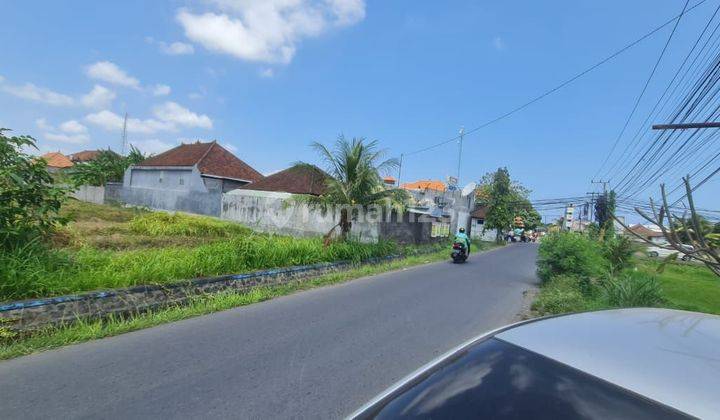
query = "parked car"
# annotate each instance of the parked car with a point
(658, 252)
(627, 363)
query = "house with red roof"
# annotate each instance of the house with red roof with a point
(56, 161)
(196, 167)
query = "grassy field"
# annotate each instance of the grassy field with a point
(109, 247)
(687, 286)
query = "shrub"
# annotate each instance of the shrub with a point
(618, 250)
(178, 224)
(561, 294)
(572, 254)
(632, 290)
(29, 201)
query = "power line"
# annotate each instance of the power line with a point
(558, 87)
(642, 92)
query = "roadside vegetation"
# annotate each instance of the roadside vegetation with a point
(53, 337)
(582, 272)
(108, 247)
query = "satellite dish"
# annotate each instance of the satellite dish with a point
(468, 189)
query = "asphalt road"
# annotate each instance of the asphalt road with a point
(317, 354)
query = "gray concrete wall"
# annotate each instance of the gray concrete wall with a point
(206, 203)
(275, 212)
(279, 213)
(90, 194)
(113, 191)
(185, 178)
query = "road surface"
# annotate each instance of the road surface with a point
(321, 353)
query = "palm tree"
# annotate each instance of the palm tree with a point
(354, 167)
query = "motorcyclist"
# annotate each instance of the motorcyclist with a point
(463, 238)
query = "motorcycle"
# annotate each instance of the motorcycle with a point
(459, 253)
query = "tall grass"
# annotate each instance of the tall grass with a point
(50, 272)
(178, 224)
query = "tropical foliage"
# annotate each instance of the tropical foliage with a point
(505, 199)
(355, 167)
(108, 166)
(29, 200)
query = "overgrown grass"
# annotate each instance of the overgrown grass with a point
(178, 224)
(687, 286)
(109, 247)
(44, 272)
(616, 280)
(84, 331)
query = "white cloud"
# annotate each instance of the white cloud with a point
(109, 72)
(111, 121)
(161, 90)
(68, 138)
(43, 125)
(98, 97)
(70, 131)
(195, 95)
(152, 146)
(72, 127)
(168, 117)
(176, 48)
(35, 93)
(173, 113)
(498, 43)
(173, 48)
(267, 73)
(266, 30)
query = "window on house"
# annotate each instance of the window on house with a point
(181, 181)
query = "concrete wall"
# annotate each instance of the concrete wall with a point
(90, 194)
(206, 203)
(279, 213)
(113, 191)
(186, 178)
(275, 212)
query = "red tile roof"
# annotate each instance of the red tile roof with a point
(424, 185)
(479, 213)
(298, 179)
(643, 231)
(84, 156)
(210, 158)
(57, 160)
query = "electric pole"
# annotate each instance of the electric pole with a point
(604, 184)
(124, 135)
(400, 168)
(462, 134)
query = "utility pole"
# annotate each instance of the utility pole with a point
(604, 184)
(124, 135)
(400, 168)
(462, 134)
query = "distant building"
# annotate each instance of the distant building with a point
(56, 161)
(87, 155)
(298, 179)
(424, 185)
(201, 167)
(648, 234)
(477, 225)
(389, 182)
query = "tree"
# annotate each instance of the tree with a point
(698, 243)
(354, 167)
(29, 200)
(505, 199)
(108, 166)
(605, 212)
(500, 212)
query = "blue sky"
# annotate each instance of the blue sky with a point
(266, 78)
